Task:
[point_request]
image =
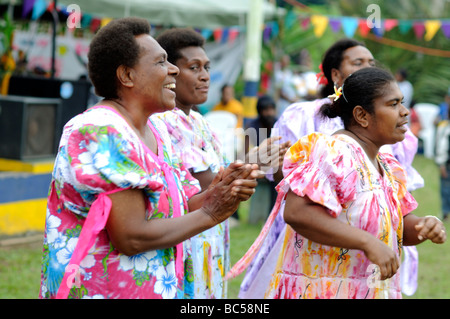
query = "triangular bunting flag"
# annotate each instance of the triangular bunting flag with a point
(105, 21)
(404, 26)
(233, 34)
(290, 19)
(349, 26)
(389, 24)
(225, 33)
(320, 24)
(217, 34)
(266, 33)
(40, 6)
(51, 6)
(86, 20)
(206, 33)
(378, 31)
(95, 24)
(419, 29)
(363, 27)
(445, 27)
(431, 27)
(27, 7)
(335, 25)
(275, 29)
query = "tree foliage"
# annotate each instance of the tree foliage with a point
(430, 75)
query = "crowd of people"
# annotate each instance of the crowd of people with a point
(142, 194)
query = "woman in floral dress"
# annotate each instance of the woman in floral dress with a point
(121, 205)
(343, 58)
(201, 152)
(346, 204)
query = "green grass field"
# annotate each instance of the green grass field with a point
(20, 265)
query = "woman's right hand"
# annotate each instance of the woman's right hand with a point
(230, 186)
(383, 256)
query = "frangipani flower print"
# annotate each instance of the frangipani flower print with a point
(139, 262)
(166, 282)
(55, 238)
(63, 255)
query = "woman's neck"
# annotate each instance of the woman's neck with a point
(185, 108)
(133, 115)
(367, 145)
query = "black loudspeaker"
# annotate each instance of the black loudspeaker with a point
(74, 95)
(28, 127)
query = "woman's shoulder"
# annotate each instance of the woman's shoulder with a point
(101, 115)
(318, 141)
(96, 120)
(318, 148)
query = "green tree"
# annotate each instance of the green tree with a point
(429, 74)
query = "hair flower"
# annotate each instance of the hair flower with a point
(337, 94)
(320, 77)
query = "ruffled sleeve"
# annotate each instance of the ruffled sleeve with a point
(320, 167)
(407, 201)
(98, 158)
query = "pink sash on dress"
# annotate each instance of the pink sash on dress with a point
(95, 222)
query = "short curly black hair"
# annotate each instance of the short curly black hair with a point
(114, 45)
(175, 39)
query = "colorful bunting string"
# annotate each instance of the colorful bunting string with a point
(423, 29)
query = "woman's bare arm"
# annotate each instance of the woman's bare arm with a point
(132, 233)
(312, 221)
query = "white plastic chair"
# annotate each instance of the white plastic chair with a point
(224, 125)
(427, 113)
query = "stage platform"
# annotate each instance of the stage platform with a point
(24, 187)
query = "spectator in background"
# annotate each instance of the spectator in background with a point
(230, 104)
(442, 159)
(285, 89)
(305, 79)
(21, 63)
(405, 87)
(443, 108)
(256, 132)
(414, 121)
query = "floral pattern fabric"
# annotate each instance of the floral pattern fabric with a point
(98, 153)
(193, 139)
(200, 149)
(335, 172)
(291, 126)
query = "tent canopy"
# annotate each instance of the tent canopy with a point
(193, 13)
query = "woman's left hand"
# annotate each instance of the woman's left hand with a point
(245, 176)
(432, 228)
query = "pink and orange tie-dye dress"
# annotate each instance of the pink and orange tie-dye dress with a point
(335, 172)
